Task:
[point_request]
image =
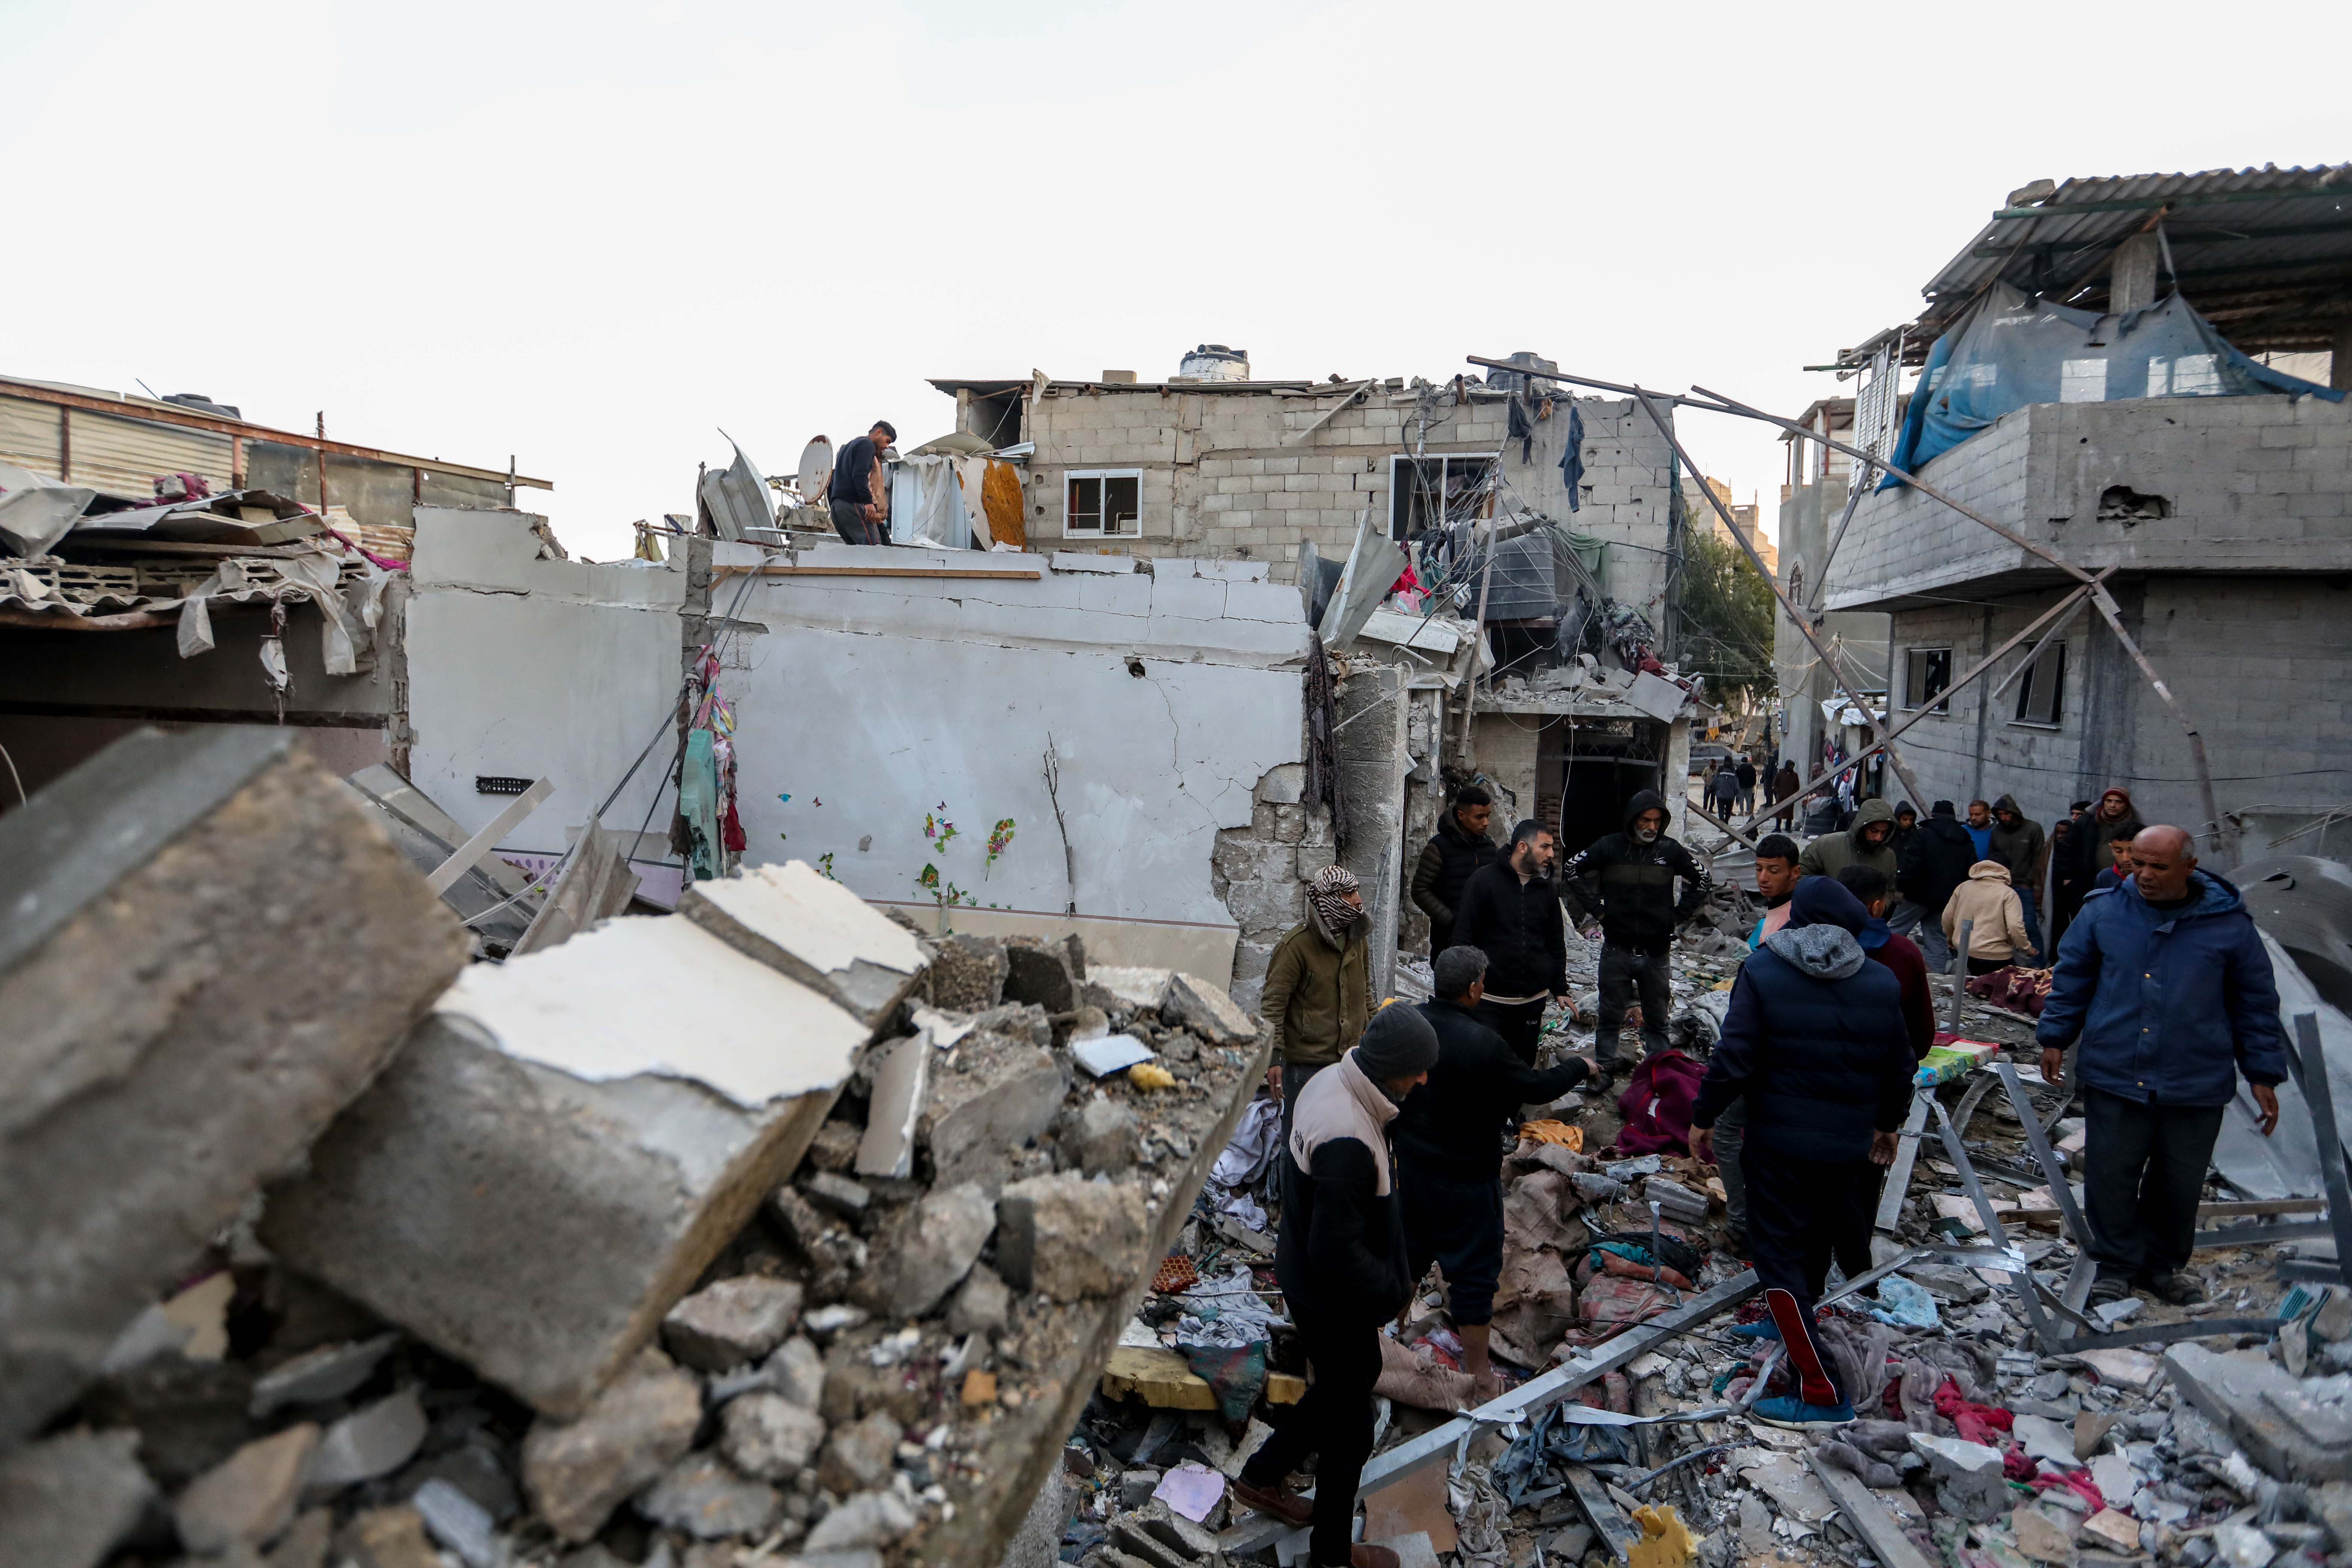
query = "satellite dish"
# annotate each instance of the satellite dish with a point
(816, 467)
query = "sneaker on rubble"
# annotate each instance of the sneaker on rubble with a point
(1790, 1410)
(2174, 1290)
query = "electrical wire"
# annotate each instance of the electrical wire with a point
(13, 777)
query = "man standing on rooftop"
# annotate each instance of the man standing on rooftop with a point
(859, 492)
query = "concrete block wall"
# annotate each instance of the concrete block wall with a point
(2251, 484)
(1260, 872)
(1807, 518)
(2262, 664)
(1221, 476)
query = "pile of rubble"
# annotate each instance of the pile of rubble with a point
(772, 1229)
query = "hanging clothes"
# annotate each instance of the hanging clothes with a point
(697, 803)
(1571, 457)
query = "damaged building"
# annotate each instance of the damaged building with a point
(2142, 376)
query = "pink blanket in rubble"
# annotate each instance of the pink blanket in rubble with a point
(1657, 1105)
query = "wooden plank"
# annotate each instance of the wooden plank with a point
(481, 843)
(1607, 1520)
(1868, 1515)
(1017, 574)
(2261, 1206)
(1159, 1378)
(2261, 1234)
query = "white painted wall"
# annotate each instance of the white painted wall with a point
(537, 669)
(884, 698)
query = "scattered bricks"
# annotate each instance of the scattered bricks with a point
(1173, 1530)
(534, 1224)
(1101, 1138)
(845, 1197)
(703, 1497)
(371, 1442)
(1131, 1535)
(984, 1305)
(734, 1321)
(967, 974)
(858, 1454)
(66, 1502)
(211, 951)
(999, 1094)
(869, 1520)
(768, 1437)
(250, 1495)
(1038, 970)
(804, 924)
(931, 1248)
(1068, 1236)
(578, 1471)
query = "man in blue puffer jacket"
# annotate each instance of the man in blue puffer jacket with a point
(1814, 1040)
(2166, 984)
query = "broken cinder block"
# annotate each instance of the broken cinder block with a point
(808, 926)
(1068, 1236)
(1001, 1094)
(564, 1146)
(210, 950)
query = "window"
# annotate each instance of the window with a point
(1426, 492)
(2042, 692)
(1105, 502)
(1926, 675)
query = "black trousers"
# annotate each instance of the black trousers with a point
(1623, 971)
(2144, 1173)
(1333, 1423)
(1459, 1226)
(852, 526)
(1293, 1078)
(1519, 1022)
(1802, 1214)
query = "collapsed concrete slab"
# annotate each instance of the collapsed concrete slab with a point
(210, 950)
(2297, 1429)
(812, 928)
(564, 1146)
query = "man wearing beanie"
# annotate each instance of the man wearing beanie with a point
(1450, 1156)
(1342, 1264)
(1814, 1038)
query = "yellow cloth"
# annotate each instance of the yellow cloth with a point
(1560, 1132)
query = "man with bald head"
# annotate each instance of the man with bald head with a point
(2166, 984)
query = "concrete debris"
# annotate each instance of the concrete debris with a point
(1044, 972)
(370, 1442)
(770, 1437)
(1102, 1139)
(930, 1249)
(2297, 1429)
(967, 974)
(1000, 1093)
(316, 1376)
(1064, 1234)
(250, 1497)
(804, 924)
(703, 1496)
(732, 1321)
(870, 1519)
(67, 1502)
(858, 1456)
(211, 951)
(1968, 1476)
(459, 1523)
(1204, 1007)
(578, 1471)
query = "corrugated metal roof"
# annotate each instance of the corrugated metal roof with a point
(2266, 254)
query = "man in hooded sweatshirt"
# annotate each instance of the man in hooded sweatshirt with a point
(1510, 911)
(2166, 990)
(1897, 953)
(2019, 843)
(1869, 842)
(1319, 983)
(1994, 915)
(1814, 1040)
(1935, 863)
(1458, 849)
(2111, 818)
(1345, 1270)
(1629, 876)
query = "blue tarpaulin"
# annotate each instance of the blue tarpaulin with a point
(2013, 350)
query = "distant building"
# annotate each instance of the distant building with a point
(1813, 498)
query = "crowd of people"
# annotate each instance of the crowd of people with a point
(1396, 1118)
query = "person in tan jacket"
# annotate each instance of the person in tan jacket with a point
(1999, 931)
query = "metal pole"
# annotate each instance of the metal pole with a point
(1477, 646)
(1959, 975)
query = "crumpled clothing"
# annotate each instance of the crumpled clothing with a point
(1657, 1104)
(1858, 1353)
(1478, 1517)
(1410, 1378)
(2079, 1483)
(1927, 1365)
(1246, 1209)
(1845, 1456)
(1553, 1132)
(1227, 1311)
(2016, 1465)
(1252, 1148)
(1527, 1465)
(1977, 1423)
(2013, 988)
(1627, 1261)
(1237, 1373)
(1904, 1304)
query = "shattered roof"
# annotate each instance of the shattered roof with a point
(2264, 254)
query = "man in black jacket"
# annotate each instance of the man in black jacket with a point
(1814, 1040)
(1934, 863)
(858, 494)
(1458, 849)
(1630, 877)
(1342, 1263)
(1510, 911)
(1449, 1141)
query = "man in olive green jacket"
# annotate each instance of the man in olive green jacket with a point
(1319, 983)
(1869, 842)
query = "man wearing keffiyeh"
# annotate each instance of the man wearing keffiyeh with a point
(1319, 983)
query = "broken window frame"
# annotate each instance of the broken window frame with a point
(1480, 467)
(1104, 477)
(1918, 666)
(2041, 690)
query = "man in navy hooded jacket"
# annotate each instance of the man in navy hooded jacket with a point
(1815, 1037)
(2167, 985)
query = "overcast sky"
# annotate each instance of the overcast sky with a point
(592, 233)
